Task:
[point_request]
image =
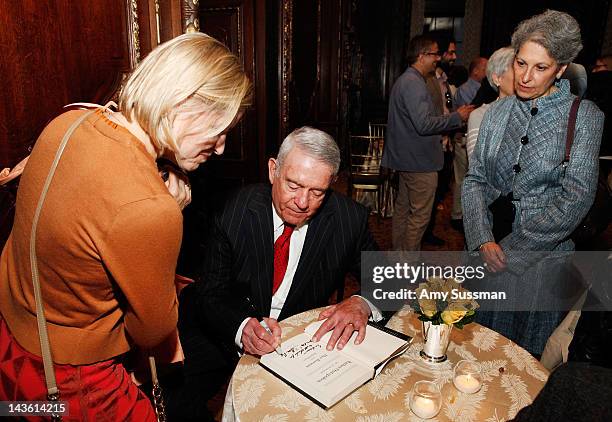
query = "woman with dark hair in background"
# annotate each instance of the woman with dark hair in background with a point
(518, 168)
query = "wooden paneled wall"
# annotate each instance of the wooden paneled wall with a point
(55, 53)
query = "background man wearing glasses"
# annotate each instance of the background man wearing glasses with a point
(413, 146)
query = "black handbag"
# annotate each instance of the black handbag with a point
(503, 211)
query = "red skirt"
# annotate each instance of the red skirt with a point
(99, 392)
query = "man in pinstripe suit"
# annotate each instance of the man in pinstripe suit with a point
(220, 314)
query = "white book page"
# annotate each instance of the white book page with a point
(377, 346)
(327, 376)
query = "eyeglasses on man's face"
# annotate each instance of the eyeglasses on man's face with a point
(432, 53)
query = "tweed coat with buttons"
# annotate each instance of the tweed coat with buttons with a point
(552, 198)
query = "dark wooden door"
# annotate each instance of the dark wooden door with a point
(314, 86)
(239, 24)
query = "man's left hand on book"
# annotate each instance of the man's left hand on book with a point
(344, 318)
(256, 340)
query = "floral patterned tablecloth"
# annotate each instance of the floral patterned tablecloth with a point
(512, 378)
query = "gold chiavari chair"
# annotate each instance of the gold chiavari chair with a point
(365, 173)
(389, 190)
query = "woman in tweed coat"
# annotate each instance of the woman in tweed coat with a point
(520, 150)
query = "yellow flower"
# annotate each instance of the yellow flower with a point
(427, 306)
(451, 317)
(428, 312)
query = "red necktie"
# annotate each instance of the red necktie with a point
(281, 256)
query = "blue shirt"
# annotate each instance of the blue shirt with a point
(466, 92)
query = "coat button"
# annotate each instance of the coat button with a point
(534, 111)
(516, 168)
(525, 140)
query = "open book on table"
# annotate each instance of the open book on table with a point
(326, 377)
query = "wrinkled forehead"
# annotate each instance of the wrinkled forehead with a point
(306, 170)
(532, 51)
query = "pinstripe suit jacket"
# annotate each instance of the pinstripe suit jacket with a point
(238, 270)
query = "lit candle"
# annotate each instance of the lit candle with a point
(423, 407)
(467, 383)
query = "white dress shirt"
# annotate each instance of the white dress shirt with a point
(296, 244)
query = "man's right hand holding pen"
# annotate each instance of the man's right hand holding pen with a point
(258, 341)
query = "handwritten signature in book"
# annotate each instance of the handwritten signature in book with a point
(301, 349)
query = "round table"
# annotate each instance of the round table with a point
(512, 379)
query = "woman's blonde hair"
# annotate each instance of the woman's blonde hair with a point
(189, 67)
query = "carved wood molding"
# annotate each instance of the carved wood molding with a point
(285, 63)
(133, 40)
(133, 31)
(189, 9)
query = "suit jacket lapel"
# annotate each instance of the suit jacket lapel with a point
(262, 233)
(319, 230)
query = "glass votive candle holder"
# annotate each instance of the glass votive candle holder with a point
(467, 376)
(425, 399)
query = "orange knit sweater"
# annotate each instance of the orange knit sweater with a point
(107, 245)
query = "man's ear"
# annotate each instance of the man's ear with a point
(496, 80)
(332, 180)
(272, 166)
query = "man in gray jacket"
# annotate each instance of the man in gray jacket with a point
(413, 146)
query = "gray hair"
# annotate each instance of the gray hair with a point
(499, 63)
(313, 142)
(557, 32)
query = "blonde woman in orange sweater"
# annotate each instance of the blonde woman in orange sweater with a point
(109, 231)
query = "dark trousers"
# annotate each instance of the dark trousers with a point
(208, 366)
(575, 392)
(444, 178)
